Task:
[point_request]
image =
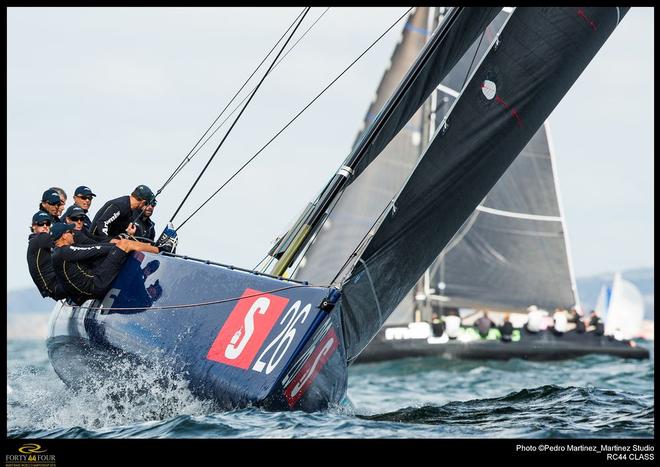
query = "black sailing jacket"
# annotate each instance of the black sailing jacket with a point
(41, 268)
(112, 219)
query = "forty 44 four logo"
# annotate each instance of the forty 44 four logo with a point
(240, 340)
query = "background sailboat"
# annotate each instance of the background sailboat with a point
(621, 306)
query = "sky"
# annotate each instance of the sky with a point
(115, 97)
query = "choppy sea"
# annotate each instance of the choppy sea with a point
(589, 397)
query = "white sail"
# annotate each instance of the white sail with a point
(603, 301)
(626, 309)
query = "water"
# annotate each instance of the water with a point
(590, 397)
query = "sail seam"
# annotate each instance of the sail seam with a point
(373, 290)
(519, 215)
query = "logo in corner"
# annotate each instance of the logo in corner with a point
(31, 448)
(30, 454)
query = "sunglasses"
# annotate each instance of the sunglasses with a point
(86, 198)
(60, 203)
(77, 219)
(41, 224)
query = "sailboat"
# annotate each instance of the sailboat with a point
(512, 252)
(621, 306)
(249, 338)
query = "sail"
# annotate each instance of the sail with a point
(626, 309)
(369, 194)
(603, 302)
(511, 252)
(455, 35)
(539, 55)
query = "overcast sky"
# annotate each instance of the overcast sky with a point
(115, 97)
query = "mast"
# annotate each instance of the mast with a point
(423, 290)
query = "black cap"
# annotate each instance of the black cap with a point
(41, 216)
(143, 192)
(84, 190)
(74, 212)
(51, 196)
(58, 229)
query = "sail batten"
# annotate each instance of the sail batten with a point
(519, 215)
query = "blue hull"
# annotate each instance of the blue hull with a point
(237, 337)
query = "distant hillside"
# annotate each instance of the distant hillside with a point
(589, 287)
(28, 300)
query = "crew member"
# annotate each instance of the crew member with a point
(116, 217)
(506, 330)
(597, 323)
(63, 199)
(87, 271)
(144, 226)
(82, 198)
(437, 326)
(39, 257)
(484, 324)
(75, 216)
(50, 203)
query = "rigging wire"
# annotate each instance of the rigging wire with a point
(239, 115)
(473, 57)
(293, 119)
(189, 305)
(278, 62)
(188, 156)
(192, 154)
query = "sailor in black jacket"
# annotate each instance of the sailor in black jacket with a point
(145, 227)
(50, 203)
(39, 257)
(82, 199)
(75, 216)
(87, 271)
(115, 216)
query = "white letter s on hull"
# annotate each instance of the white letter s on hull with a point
(233, 351)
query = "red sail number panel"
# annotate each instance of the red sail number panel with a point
(246, 329)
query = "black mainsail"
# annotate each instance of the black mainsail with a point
(512, 252)
(539, 54)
